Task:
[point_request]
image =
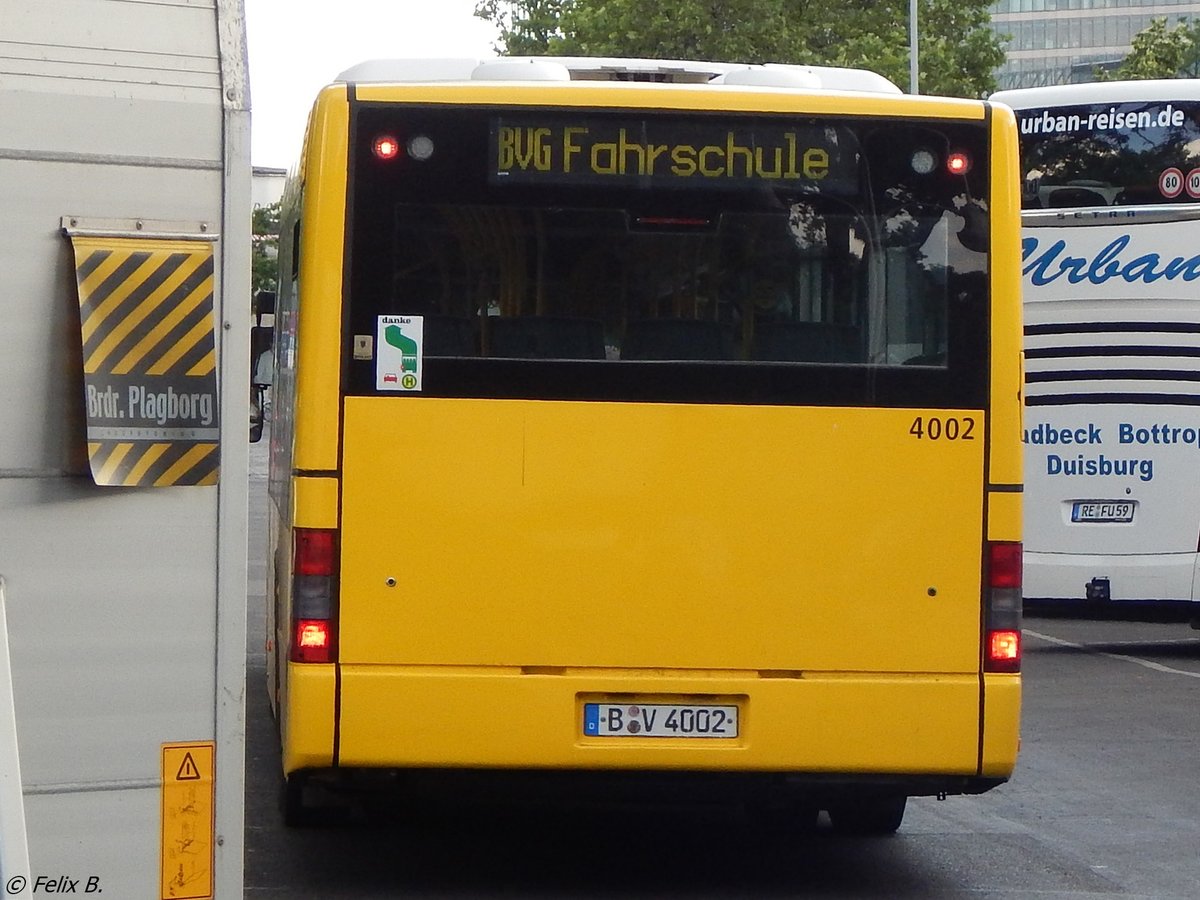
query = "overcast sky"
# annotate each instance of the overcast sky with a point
(298, 46)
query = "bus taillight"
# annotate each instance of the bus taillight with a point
(314, 576)
(313, 641)
(1002, 644)
(1004, 647)
(315, 550)
(385, 147)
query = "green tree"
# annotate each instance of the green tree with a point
(1159, 52)
(737, 30)
(264, 251)
(958, 52)
(527, 27)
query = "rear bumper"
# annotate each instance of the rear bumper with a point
(1144, 577)
(844, 725)
(570, 788)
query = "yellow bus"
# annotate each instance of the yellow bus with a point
(645, 419)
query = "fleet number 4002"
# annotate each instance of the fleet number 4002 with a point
(950, 428)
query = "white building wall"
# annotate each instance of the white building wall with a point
(266, 186)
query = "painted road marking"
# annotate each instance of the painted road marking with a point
(1136, 660)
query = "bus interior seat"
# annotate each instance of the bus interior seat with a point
(1138, 195)
(661, 339)
(449, 336)
(545, 337)
(1076, 196)
(807, 342)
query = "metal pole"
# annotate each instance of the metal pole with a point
(912, 47)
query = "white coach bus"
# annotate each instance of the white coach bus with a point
(1111, 263)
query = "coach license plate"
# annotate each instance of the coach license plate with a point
(660, 720)
(1102, 511)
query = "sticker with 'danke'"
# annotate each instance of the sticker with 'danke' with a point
(398, 353)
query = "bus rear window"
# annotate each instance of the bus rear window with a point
(695, 260)
(1110, 154)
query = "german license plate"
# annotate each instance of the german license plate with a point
(1102, 511)
(663, 720)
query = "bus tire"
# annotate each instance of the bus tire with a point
(868, 815)
(788, 818)
(296, 812)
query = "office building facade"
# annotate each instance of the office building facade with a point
(1063, 41)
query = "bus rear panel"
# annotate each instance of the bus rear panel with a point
(662, 440)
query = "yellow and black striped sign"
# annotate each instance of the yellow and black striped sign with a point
(149, 359)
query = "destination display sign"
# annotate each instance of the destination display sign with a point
(653, 153)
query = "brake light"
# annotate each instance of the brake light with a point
(1002, 644)
(673, 221)
(386, 147)
(1004, 569)
(314, 578)
(314, 551)
(312, 635)
(958, 163)
(313, 641)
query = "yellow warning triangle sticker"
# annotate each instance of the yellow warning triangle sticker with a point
(187, 770)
